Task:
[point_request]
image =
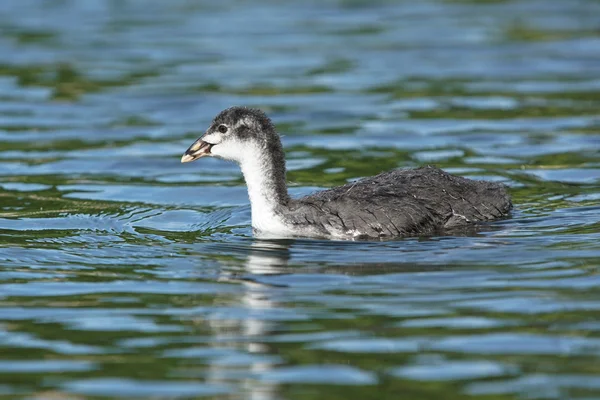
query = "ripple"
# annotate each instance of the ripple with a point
(137, 388)
(453, 370)
(28, 341)
(516, 343)
(45, 366)
(456, 322)
(320, 374)
(125, 273)
(371, 345)
(79, 288)
(548, 386)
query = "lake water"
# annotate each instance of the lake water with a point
(124, 273)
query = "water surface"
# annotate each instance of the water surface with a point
(124, 273)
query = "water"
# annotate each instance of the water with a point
(124, 273)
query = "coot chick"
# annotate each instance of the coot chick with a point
(412, 202)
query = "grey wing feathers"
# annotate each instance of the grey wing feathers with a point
(403, 202)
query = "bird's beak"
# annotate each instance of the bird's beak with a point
(198, 149)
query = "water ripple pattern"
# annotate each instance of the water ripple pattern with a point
(125, 274)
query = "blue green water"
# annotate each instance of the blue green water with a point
(124, 273)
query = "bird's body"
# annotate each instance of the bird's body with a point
(397, 203)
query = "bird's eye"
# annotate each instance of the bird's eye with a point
(222, 128)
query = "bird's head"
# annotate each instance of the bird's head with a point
(235, 134)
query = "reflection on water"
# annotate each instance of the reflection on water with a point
(125, 274)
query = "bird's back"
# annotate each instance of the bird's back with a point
(412, 202)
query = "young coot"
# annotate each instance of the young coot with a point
(413, 202)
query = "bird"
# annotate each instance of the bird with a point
(424, 201)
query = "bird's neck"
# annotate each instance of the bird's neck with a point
(264, 173)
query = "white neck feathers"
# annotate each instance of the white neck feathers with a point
(263, 191)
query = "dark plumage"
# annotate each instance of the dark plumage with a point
(396, 203)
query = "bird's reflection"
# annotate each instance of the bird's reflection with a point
(262, 257)
(268, 257)
(263, 301)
